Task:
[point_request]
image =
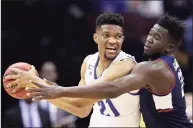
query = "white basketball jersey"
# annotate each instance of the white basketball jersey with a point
(122, 111)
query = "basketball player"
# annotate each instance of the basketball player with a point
(108, 64)
(162, 100)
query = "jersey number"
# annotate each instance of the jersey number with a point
(110, 105)
(181, 78)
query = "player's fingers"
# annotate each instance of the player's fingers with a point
(20, 86)
(30, 89)
(35, 94)
(24, 83)
(15, 82)
(15, 70)
(38, 84)
(38, 98)
(49, 82)
(12, 77)
(17, 89)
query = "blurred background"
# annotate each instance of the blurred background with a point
(56, 35)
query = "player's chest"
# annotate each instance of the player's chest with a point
(93, 73)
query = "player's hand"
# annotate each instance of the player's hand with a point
(21, 78)
(44, 92)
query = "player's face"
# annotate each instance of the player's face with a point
(157, 42)
(109, 39)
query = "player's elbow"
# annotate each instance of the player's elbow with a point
(83, 112)
(83, 115)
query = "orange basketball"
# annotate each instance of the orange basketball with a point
(21, 66)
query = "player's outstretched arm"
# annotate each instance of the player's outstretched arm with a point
(100, 90)
(135, 80)
(154, 74)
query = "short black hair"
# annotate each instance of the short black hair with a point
(109, 18)
(174, 25)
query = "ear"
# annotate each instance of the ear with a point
(170, 47)
(123, 37)
(95, 38)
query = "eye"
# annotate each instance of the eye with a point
(105, 35)
(156, 37)
(118, 36)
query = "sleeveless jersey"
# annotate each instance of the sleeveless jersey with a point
(166, 111)
(122, 111)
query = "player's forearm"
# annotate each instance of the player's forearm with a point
(63, 103)
(104, 90)
(70, 105)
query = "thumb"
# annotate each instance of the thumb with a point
(49, 82)
(33, 69)
(38, 84)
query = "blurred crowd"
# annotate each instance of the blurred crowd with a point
(56, 35)
(39, 113)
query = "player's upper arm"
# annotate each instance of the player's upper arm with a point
(83, 71)
(138, 78)
(162, 78)
(155, 74)
(118, 70)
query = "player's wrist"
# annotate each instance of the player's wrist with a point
(61, 91)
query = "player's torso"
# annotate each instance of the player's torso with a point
(166, 111)
(117, 112)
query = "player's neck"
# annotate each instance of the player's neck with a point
(103, 63)
(157, 57)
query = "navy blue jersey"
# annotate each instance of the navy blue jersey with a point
(167, 110)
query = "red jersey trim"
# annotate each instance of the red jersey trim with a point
(165, 110)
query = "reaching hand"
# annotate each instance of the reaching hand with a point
(21, 78)
(44, 92)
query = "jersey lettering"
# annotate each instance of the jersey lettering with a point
(180, 76)
(104, 107)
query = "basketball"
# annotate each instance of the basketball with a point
(22, 93)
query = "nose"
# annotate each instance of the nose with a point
(112, 40)
(149, 39)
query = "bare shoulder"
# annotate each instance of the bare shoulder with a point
(84, 65)
(161, 69)
(158, 75)
(152, 71)
(125, 63)
(151, 67)
(86, 59)
(143, 68)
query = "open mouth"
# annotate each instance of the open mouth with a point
(111, 49)
(147, 47)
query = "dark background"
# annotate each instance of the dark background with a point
(35, 31)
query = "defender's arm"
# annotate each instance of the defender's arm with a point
(154, 74)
